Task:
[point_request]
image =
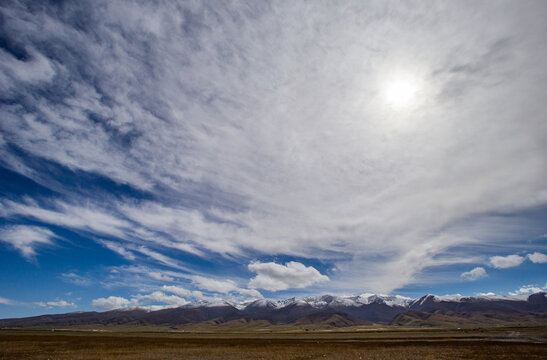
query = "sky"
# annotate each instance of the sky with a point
(154, 154)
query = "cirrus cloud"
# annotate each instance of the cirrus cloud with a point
(242, 148)
(26, 239)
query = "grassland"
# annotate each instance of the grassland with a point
(497, 343)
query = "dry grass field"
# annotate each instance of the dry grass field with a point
(523, 343)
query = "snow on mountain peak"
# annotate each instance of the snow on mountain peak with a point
(264, 303)
(332, 301)
(389, 300)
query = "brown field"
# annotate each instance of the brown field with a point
(506, 343)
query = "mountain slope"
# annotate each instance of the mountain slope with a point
(472, 319)
(325, 311)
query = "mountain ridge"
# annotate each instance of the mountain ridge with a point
(326, 310)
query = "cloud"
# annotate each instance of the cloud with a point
(128, 255)
(75, 279)
(26, 239)
(528, 289)
(156, 300)
(251, 293)
(4, 301)
(100, 221)
(110, 303)
(166, 260)
(504, 262)
(274, 277)
(475, 274)
(47, 304)
(57, 303)
(157, 275)
(141, 277)
(182, 291)
(85, 217)
(221, 286)
(160, 297)
(182, 284)
(38, 70)
(537, 258)
(242, 149)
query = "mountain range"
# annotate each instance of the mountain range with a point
(314, 312)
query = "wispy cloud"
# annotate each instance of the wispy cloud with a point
(177, 290)
(58, 303)
(214, 285)
(75, 279)
(256, 129)
(46, 304)
(224, 287)
(179, 283)
(4, 301)
(158, 296)
(119, 249)
(26, 239)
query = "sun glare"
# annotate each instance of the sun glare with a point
(401, 92)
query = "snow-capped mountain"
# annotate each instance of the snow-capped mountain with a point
(331, 301)
(328, 310)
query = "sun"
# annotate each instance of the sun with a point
(401, 91)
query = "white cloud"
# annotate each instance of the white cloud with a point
(158, 275)
(537, 258)
(221, 286)
(182, 291)
(251, 293)
(528, 289)
(119, 249)
(26, 239)
(156, 300)
(504, 262)
(38, 69)
(274, 277)
(160, 297)
(4, 301)
(165, 260)
(264, 146)
(110, 303)
(75, 279)
(141, 277)
(85, 217)
(475, 274)
(214, 286)
(57, 303)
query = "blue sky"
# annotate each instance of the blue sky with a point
(154, 154)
